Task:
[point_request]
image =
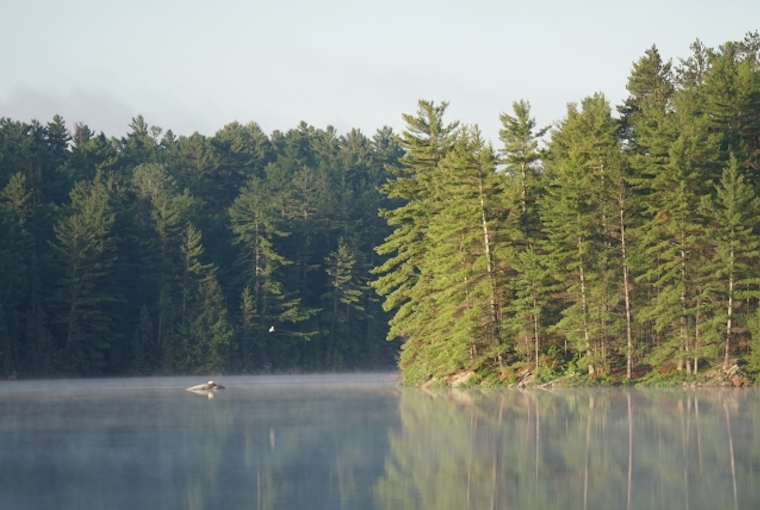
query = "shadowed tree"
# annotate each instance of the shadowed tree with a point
(84, 246)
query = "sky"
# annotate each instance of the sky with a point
(189, 65)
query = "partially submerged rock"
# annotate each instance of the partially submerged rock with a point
(203, 388)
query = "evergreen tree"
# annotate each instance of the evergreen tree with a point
(15, 251)
(242, 151)
(170, 217)
(425, 142)
(521, 157)
(650, 86)
(731, 92)
(679, 172)
(345, 301)
(730, 276)
(204, 329)
(142, 144)
(90, 153)
(84, 246)
(256, 226)
(195, 164)
(244, 344)
(578, 218)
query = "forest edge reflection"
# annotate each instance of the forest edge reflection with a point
(361, 442)
(576, 448)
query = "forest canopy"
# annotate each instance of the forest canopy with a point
(157, 253)
(620, 240)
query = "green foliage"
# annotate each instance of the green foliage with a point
(544, 373)
(631, 238)
(84, 247)
(671, 378)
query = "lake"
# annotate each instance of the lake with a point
(358, 442)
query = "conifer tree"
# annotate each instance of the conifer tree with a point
(242, 151)
(731, 92)
(170, 216)
(142, 144)
(204, 330)
(578, 217)
(730, 276)
(469, 259)
(650, 86)
(246, 336)
(345, 299)
(674, 177)
(256, 226)
(16, 250)
(84, 246)
(521, 156)
(425, 142)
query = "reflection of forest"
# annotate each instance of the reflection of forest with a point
(291, 448)
(355, 449)
(574, 449)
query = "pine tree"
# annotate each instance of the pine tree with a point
(730, 276)
(85, 249)
(256, 226)
(731, 92)
(16, 250)
(520, 155)
(170, 216)
(247, 330)
(142, 144)
(523, 173)
(578, 218)
(345, 297)
(650, 86)
(425, 142)
(673, 178)
(204, 329)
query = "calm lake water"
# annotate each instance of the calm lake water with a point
(357, 442)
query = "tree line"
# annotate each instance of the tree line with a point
(158, 254)
(617, 241)
(616, 245)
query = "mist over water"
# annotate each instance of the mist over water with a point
(358, 442)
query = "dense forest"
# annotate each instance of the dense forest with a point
(159, 254)
(617, 241)
(622, 245)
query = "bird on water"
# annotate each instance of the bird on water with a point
(209, 386)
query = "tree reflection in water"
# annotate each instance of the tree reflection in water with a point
(571, 449)
(357, 442)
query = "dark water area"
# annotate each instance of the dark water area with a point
(358, 442)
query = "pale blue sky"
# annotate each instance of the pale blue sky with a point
(193, 65)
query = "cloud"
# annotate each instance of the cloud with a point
(99, 111)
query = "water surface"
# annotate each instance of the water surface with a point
(357, 442)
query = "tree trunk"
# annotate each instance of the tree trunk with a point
(626, 292)
(584, 307)
(536, 340)
(729, 320)
(494, 305)
(684, 325)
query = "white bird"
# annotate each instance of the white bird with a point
(271, 329)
